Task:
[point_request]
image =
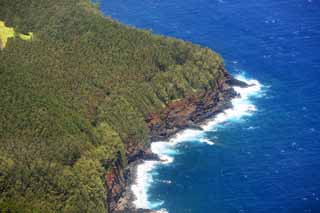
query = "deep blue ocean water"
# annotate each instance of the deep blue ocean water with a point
(268, 161)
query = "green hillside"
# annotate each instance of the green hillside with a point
(73, 97)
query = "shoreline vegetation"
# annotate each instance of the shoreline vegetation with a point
(82, 101)
(224, 111)
(187, 113)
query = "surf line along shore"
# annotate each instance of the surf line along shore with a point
(181, 119)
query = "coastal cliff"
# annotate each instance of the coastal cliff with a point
(82, 99)
(182, 114)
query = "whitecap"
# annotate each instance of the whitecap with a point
(166, 150)
(162, 211)
(143, 181)
(207, 141)
(252, 127)
(166, 181)
(242, 106)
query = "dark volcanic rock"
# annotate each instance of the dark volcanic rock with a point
(192, 125)
(236, 82)
(116, 183)
(136, 211)
(119, 181)
(182, 114)
(189, 112)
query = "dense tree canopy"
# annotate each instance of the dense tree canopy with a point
(72, 96)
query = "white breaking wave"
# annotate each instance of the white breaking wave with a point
(207, 141)
(142, 184)
(242, 106)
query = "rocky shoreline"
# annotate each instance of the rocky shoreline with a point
(189, 112)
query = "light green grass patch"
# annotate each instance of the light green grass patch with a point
(9, 32)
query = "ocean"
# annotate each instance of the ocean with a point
(264, 154)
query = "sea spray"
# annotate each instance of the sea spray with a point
(242, 106)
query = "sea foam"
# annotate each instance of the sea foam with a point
(166, 150)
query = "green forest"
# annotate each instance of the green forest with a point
(73, 95)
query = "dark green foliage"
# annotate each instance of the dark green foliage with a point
(73, 96)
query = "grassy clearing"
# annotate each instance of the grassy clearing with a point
(9, 32)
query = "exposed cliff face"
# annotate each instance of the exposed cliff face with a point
(116, 183)
(84, 88)
(118, 180)
(136, 151)
(192, 110)
(185, 113)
